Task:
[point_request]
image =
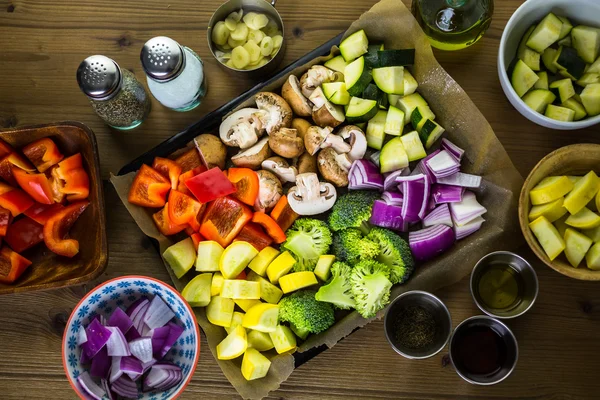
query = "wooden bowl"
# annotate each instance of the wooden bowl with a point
(577, 159)
(48, 270)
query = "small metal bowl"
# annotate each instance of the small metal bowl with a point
(261, 6)
(432, 304)
(528, 291)
(512, 354)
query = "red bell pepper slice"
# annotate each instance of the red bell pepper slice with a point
(189, 160)
(57, 229)
(5, 149)
(270, 225)
(149, 188)
(12, 265)
(182, 208)
(35, 185)
(242, 276)
(255, 235)
(196, 239)
(9, 162)
(210, 185)
(24, 234)
(224, 219)
(43, 153)
(246, 184)
(169, 169)
(283, 214)
(187, 175)
(5, 220)
(72, 178)
(40, 213)
(13, 199)
(164, 224)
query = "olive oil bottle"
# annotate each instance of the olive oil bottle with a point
(453, 24)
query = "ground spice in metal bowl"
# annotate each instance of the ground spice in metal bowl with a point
(414, 327)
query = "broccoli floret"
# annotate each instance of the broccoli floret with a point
(353, 210)
(370, 286)
(338, 290)
(307, 239)
(394, 253)
(306, 313)
(350, 245)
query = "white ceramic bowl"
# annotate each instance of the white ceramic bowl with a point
(121, 292)
(585, 12)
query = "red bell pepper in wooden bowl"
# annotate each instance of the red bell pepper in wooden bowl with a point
(52, 221)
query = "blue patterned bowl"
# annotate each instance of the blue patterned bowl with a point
(121, 292)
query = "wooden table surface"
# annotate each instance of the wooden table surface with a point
(41, 45)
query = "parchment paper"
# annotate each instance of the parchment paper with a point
(389, 21)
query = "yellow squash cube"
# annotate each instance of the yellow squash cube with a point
(261, 341)
(576, 246)
(234, 345)
(268, 292)
(246, 304)
(220, 311)
(235, 258)
(197, 291)
(297, 280)
(584, 190)
(550, 189)
(283, 339)
(235, 321)
(180, 257)
(254, 365)
(592, 258)
(552, 211)
(217, 284)
(324, 266)
(593, 234)
(239, 289)
(209, 255)
(280, 266)
(260, 263)
(552, 243)
(560, 225)
(584, 219)
(262, 317)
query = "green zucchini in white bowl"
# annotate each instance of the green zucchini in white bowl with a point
(549, 62)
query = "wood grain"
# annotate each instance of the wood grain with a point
(41, 44)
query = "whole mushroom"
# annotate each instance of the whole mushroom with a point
(315, 137)
(286, 143)
(280, 167)
(324, 112)
(212, 150)
(269, 190)
(315, 77)
(276, 114)
(306, 163)
(356, 138)
(301, 125)
(292, 93)
(253, 156)
(311, 197)
(243, 128)
(334, 167)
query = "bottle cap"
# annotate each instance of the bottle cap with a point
(162, 58)
(99, 77)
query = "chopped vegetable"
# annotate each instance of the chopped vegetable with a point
(224, 219)
(350, 245)
(169, 169)
(439, 216)
(71, 178)
(255, 235)
(392, 199)
(12, 265)
(261, 317)
(149, 188)
(549, 238)
(416, 196)
(10, 161)
(393, 252)
(270, 225)
(461, 179)
(283, 339)
(352, 210)
(364, 174)
(283, 214)
(467, 210)
(268, 292)
(296, 281)
(576, 246)
(446, 193)
(180, 257)
(462, 231)
(24, 234)
(40, 213)
(209, 254)
(220, 311)
(210, 185)
(235, 258)
(240, 289)
(338, 291)
(305, 312)
(163, 222)
(260, 263)
(430, 242)
(182, 208)
(254, 364)
(14, 200)
(57, 228)
(189, 160)
(280, 266)
(390, 183)
(246, 184)
(307, 239)
(370, 287)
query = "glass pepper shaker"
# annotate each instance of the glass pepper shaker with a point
(115, 94)
(175, 73)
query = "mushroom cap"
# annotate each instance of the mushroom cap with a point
(241, 128)
(331, 168)
(307, 163)
(337, 143)
(301, 125)
(253, 156)
(286, 143)
(311, 197)
(315, 77)
(315, 136)
(269, 191)
(328, 115)
(353, 135)
(212, 150)
(279, 112)
(293, 95)
(280, 167)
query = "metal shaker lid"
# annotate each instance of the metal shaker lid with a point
(162, 58)
(99, 77)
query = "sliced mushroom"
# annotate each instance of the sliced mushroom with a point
(212, 150)
(293, 95)
(318, 98)
(328, 115)
(242, 128)
(269, 190)
(311, 197)
(301, 125)
(337, 143)
(306, 163)
(286, 143)
(254, 156)
(334, 167)
(278, 112)
(315, 76)
(315, 136)
(280, 167)
(353, 135)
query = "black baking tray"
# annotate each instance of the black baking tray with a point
(211, 121)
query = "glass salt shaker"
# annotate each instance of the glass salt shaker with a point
(175, 73)
(115, 94)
